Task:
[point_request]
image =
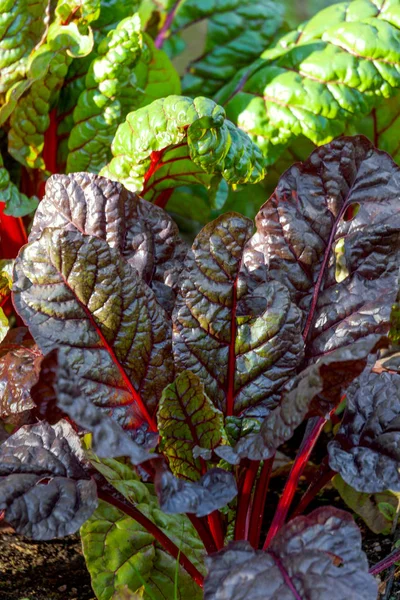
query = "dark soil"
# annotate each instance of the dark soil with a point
(42, 570)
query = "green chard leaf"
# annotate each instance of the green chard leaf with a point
(190, 426)
(178, 141)
(315, 79)
(118, 551)
(22, 25)
(17, 204)
(30, 101)
(237, 32)
(113, 88)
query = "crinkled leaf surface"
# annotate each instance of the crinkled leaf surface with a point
(90, 302)
(120, 551)
(31, 100)
(365, 450)
(315, 391)
(312, 209)
(317, 557)
(19, 371)
(188, 419)
(22, 26)
(211, 492)
(44, 488)
(177, 141)
(329, 70)
(238, 332)
(237, 33)
(144, 234)
(108, 438)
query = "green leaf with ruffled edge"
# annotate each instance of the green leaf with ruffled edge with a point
(17, 204)
(30, 101)
(181, 142)
(237, 32)
(113, 88)
(316, 78)
(22, 25)
(189, 424)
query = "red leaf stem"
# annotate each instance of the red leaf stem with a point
(242, 524)
(291, 485)
(259, 498)
(164, 31)
(386, 562)
(200, 525)
(159, 535)
(12, 234)
(322, 477)
(215, 525)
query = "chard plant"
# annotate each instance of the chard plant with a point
(163, 338)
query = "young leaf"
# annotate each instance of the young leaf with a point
(214, 490)
(368, 506)
(44, 488)
(186, 141)
(365, 450)
(239, 333)
(315, 391)
(119, 551)
(86, 299)
(313, 207)
(19, 371)
(317, 557)
(187, 418)
(237, 33)
(144, 234)
(332, 68)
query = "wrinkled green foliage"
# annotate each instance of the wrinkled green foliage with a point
(17, 204)
(181, 142)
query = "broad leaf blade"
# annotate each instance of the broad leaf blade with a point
(365, 449)
(44, 487)
(188, 419)
(144, 234)
(333, 68)
(299, 227)
(119, 551)
(238, 332)
(303, 559)
(76, 292)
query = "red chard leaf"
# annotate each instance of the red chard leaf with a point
(76, 292)
(145, 235)
(366, 449)
(308, 559)
(45, 489)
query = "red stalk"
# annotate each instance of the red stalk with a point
(322, 477)
(159, 535)
(50, 144)
(215, 525)
(260, 496)
(230, 396)
(12, 234)
(386, 562)
(163, 33)
(291, 485)
(202, 530)
(163, 197)
(242, 525)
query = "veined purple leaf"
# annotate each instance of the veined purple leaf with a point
(366, 449)
(346, 191)
(189, 426)
(315, 391)
(318, 557)
(238, 332)
(77, 293)
(144, 234)
(176, 496)
(45, 490)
